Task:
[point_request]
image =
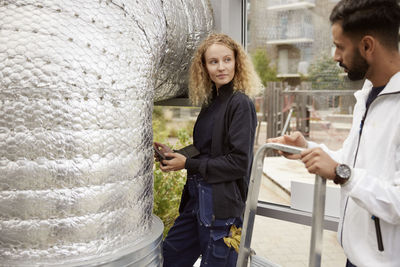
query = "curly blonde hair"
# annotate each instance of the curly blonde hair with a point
(245, 80)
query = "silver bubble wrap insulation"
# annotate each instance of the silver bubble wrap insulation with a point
(78, 80)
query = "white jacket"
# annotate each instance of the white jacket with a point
(374, 187)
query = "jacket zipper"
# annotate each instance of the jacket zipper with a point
(354, 164)
(376, 219)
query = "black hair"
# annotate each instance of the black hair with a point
(379, 18)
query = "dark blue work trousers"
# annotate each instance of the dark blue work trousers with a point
(195, 233)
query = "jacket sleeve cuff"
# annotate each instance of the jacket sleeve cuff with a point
(189, 151)
(353, 180)
(311, 144)
(192, 165)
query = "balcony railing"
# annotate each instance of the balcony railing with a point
(272, 3)
(290, 4)
(288, 32)
(284, 27)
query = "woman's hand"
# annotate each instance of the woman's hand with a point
(176, 163)
(162, 148)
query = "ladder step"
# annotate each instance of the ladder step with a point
(257, 261)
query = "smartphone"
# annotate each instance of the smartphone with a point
(160, 156)
(286, 148)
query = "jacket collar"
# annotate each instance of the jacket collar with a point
(392, 87)
(224, 92)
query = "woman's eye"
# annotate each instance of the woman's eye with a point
(227, 59)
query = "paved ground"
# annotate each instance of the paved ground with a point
(287, 244)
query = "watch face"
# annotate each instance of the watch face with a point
(343, 171)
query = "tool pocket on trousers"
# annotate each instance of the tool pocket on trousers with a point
(220, 250)
(205, 205)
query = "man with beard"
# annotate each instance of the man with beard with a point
(366, 36)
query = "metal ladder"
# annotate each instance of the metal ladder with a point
(245, 252)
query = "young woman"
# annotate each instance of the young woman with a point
(218, 163)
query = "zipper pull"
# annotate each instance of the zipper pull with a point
(362, 122)
(378, 232)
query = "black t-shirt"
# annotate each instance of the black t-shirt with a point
(374, 94)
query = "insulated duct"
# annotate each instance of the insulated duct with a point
(77, 84)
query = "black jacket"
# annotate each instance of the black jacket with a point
(228, 168)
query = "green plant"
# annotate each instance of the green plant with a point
(167, 186)
(324, 74)
(167, 195)
(262, 64)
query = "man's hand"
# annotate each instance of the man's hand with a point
(294, 139)
(317, 161)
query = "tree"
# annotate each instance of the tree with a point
(263, 66)
(324, 74)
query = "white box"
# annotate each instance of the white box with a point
(302, 197)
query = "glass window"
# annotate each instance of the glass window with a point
(305, 90)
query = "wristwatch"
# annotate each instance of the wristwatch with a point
(343, 173)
